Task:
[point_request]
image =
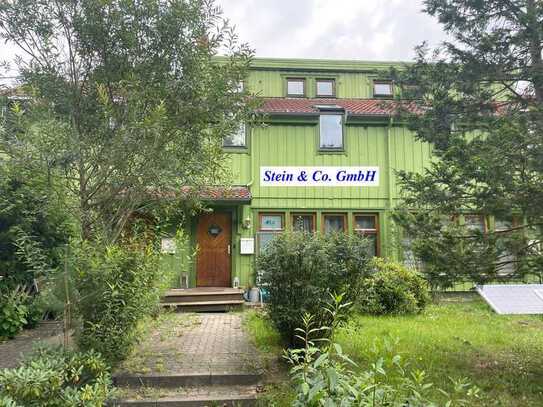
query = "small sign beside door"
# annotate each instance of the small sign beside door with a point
(247, 245)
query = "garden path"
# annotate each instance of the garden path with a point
(13, 351)
(201, 359)
(195, 343)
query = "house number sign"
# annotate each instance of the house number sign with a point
(319, 176)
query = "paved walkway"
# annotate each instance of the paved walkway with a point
(195, 344)
(13, 351)
(217, 343)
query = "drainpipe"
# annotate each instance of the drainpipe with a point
(389, 169)
(389, 183)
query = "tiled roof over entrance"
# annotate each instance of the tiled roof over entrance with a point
(212, 193)
(359, 107)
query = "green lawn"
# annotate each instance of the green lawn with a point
(503, 355)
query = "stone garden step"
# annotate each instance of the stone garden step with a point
(191, 360)
(201, 396)
(188, 379)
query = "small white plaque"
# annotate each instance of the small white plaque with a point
(167, 245)
(247, 245)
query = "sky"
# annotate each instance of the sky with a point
(381, 30)
(375, 30)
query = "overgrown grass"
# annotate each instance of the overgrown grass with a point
(503, 355)
(500, 354)
(263, 334)
(278, 391)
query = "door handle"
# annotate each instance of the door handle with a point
(228, 249)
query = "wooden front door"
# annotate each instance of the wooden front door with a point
(213, 235)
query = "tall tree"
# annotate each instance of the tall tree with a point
(127, 99)
(480, 104)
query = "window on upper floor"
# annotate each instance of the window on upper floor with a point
(331, 131)
(326, 88)
(382, 88)
(237, 139)
(296, 87)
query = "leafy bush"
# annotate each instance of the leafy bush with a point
(300, 270)
(118, 286)
(56, 378)
(32, 228)
(393, 289)
(13, 313)
(325, 376)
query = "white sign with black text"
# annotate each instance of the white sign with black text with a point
(319, 176)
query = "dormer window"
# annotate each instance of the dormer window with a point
(331, 131)
(382, 89)
(296, 87)
(326, 88)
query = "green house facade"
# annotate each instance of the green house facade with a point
(323, 160)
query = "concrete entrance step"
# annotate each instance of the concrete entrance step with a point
(203, 299)
(192, 397)
(205, 307)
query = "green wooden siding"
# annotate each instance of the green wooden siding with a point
(297, 145)
(294, 142)
(348, 85)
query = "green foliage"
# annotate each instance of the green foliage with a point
(55, 378)
(480, 105)
(13, 313)
(137, 106)
(118, 286)
(459, 336)
(265, 336)
(326, 376)
(32, 228)
(300, 270)
(393, 289)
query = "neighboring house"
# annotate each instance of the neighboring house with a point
(335, 119)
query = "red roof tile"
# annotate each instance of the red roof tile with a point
(361, 107)
(210, 193)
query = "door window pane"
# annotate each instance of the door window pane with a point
(331, 131)
(334, 223)
(325, 87)
(303, 222)
(271, 222)
(295, 87)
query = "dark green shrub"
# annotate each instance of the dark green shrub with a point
(393, 289)
(300, 270)
(54, 378)
(33, 226)
(118, 286)
(13, 313)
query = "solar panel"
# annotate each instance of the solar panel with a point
(513, 298)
